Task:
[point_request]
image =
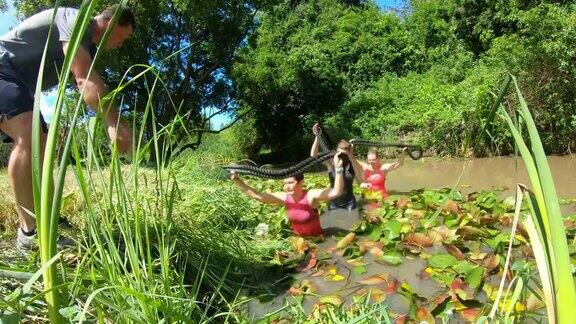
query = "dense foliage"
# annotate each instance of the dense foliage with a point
(418, 73)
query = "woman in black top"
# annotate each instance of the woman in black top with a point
(351, 167)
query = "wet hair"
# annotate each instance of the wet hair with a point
(343, 144)
(126, 17)
(373, 151)
(298, 177)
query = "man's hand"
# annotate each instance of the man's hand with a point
(234, 176)
(121, 134)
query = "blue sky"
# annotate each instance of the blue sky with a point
(385, 4)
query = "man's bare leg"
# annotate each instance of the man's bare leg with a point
(19, 128)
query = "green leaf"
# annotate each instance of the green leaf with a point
(70, 312)
(442, 261)
(9, 319)
(474, 277)
(495, 241)
(391, 258)
(332, 299)
(392, 228)
(359, 270)
(463, 267)
(375, 234)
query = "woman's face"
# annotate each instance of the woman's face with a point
(373, 159)
(291, 185)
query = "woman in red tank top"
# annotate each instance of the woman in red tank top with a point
(375, 172)
(301, 205)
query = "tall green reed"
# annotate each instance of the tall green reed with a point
(545, 224)
(47, 197)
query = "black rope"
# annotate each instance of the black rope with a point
(297, 168)
(415, 151)
(323, 140)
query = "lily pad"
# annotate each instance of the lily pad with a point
(392, 228)
(474, 277)
(491, 262)
(391, 258)
(419, 239)
(455, 252)
(335, 277)
(377, 295)
(423, 315)
(359, 270)
(442, 261)
(346, 240)
(375, 279)
(464, 267)
(376, 251)
(332, 299)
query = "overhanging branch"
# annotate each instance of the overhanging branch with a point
(202, 131)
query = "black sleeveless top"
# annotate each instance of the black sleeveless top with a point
(347, 200)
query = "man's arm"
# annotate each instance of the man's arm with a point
(316, 145)
(94, 89)
(314, 148)
(267, 198)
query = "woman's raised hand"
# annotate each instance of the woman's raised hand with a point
(316, 129)
(338, 157)
(365, 185)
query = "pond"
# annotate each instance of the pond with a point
(419, 265)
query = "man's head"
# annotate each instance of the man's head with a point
(123, 29)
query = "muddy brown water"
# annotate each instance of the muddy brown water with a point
(499, 173)
(496, 173)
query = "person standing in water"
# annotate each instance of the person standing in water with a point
(375, 172)
(352, 170)
(301, 204)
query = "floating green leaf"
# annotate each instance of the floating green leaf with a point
(359, 270)
(474, 277)
(442, 261)
(391, 258)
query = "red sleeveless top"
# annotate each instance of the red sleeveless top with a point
(303, 218)
(377, 180)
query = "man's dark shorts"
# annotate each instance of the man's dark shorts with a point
(15, 97)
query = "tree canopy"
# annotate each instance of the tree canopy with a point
(422, 73)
